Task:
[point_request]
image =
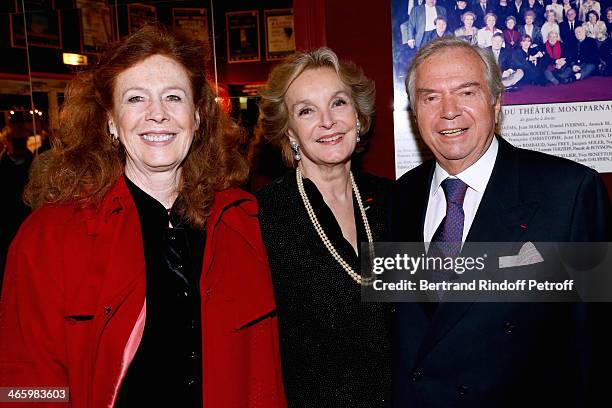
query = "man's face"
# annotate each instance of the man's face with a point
(525, 43)
(454, 109)
(461, 5)
(440, 25)
(496, 43)
(571, 15)
(580, 33)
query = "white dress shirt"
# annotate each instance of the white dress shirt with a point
(430, 15)
(476, 177)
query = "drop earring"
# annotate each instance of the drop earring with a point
(358, 139)
(113, 135)
(296, 151)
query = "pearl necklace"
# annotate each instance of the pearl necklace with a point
(330, 247)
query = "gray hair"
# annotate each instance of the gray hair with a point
(492, 74)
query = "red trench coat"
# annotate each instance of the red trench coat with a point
(75, 285)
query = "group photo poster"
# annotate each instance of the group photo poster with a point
(192, 20)
(243, 39)
(280, 35)
(570, 117)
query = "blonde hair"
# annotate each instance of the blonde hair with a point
(273, 113)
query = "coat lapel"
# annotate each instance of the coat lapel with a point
(503, 215)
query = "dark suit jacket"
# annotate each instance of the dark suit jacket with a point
(502, 354)
(505, 58)
(585, 52)
(567, 35)
(416, 23)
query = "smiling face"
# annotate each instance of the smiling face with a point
(440, 25)
(553, 37)
(454, 109)
(571, 14)
(510, 24)
(528, 19)
(497, 42)
(154, 115)
(592, 18)
(322, 118)
(468, 21)
(490, 21)
(525, 44)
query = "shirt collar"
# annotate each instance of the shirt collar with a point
(476, 176)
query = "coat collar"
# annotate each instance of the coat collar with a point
(119, 199)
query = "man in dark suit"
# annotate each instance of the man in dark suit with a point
(583, 55)
(568, 26)
(490, 354)
(421, 21)
(510, 76)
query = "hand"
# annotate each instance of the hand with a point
(576, 68)
(411, 43)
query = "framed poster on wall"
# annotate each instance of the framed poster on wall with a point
(139, 15)
(569, 119)
(42, 21)
(96, 25)
(192, 20)
(242, 29)
(280, 35)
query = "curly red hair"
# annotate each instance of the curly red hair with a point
(85, 162)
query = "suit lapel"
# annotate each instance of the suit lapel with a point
(501, 217)
(413, 201)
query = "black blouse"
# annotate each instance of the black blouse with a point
(334, 348)
(167, 367)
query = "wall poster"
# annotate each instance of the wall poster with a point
(571, 118)
(242, 29)
(42, 21)
(96, 25)
(280, 36)
(193, 20)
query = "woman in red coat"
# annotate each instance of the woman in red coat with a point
(141, 278)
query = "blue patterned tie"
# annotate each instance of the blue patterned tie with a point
(451, 227)
(446, 241)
